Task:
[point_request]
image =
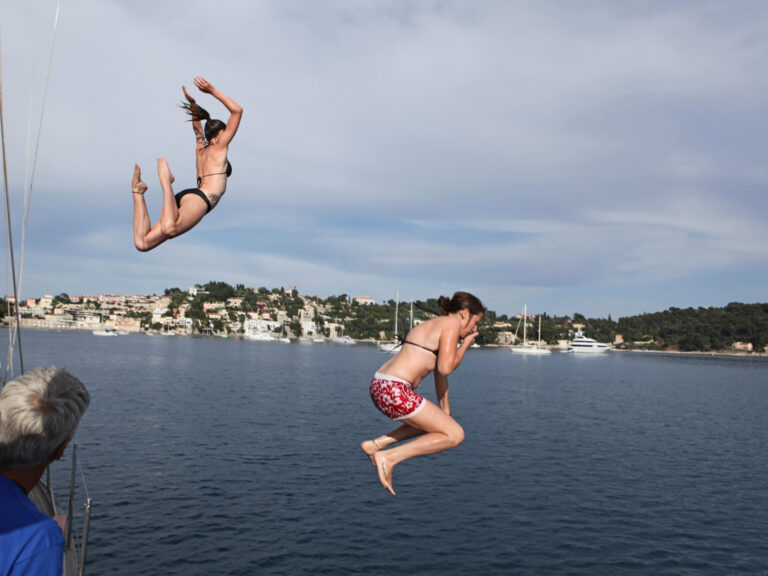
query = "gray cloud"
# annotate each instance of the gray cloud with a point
(529, 150)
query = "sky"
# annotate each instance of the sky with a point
(605, 158)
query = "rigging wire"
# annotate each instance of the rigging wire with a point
(10, 238)
(28, 197)
(15, 332)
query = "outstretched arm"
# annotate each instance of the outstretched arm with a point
(235, 110)
(197, 126)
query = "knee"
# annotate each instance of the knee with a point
(456, 436)
(141, 245)
(169, 228)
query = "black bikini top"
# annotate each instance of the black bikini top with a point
(228, 172)
(423, 347)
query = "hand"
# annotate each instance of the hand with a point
(187, 95)
(469, 339)
(203, 85)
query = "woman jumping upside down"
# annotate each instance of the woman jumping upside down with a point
(183, 211)
(429, 347)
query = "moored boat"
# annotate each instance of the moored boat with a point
(534, 349)
(105, 332)
(582, 344)
(343, 340)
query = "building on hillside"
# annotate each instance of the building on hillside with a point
(306, 314)
(364, 300)
(742, 346)
(506, 338)
(253, 327)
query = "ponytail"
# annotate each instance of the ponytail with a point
(197, 114)
(461, 301)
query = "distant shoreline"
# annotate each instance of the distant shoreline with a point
(719, 354)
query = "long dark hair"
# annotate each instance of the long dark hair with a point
(461, 301)
(197, 114)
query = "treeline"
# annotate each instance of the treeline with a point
(687, 330)
(700, 329)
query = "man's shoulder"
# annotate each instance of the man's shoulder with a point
(27, 535)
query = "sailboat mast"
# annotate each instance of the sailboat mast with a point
(10, 234)
(397, 304)
(525, 324)
(539, 342)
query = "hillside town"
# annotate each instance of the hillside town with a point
(190, 314)
(218, 309)
(258, 314)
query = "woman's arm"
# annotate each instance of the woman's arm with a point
(235, 110)
(441, 388)
(197, 126)
(450, 356)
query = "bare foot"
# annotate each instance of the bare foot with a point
(138, 186)
(370, 448)
(385, 471)
(163, 171)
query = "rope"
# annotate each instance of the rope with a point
(15, 332)
(28, 198)
(9, 362)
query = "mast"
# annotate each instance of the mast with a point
(539, 342)
(397, 298)
(10, 234)
(525, 323)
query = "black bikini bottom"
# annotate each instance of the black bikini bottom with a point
(196, 192)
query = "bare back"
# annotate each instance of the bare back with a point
(413, 362)
(211, 158)
(212, 169)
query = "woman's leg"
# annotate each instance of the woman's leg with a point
(144, 236)
(440, 432)
(175, 220)
(403, 432)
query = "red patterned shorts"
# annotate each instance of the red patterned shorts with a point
(395, 397)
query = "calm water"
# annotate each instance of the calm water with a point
(209, 456)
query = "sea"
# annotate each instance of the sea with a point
(207, 456)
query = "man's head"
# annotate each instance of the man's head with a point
(39, 413)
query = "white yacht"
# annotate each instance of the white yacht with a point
(260, 336)
(105, 332)
(582, 344)
(343, 340)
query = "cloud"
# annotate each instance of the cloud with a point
(535, 149)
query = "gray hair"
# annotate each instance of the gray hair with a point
(38, 412)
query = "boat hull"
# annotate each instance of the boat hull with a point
(530, 351)
(590, 349)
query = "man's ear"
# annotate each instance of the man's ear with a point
(60, 450)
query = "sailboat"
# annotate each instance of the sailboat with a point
(42, 494)
(391, 346)
(536, 349)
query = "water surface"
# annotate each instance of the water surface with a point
(212, 456)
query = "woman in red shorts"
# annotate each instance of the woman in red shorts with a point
(430, 347)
